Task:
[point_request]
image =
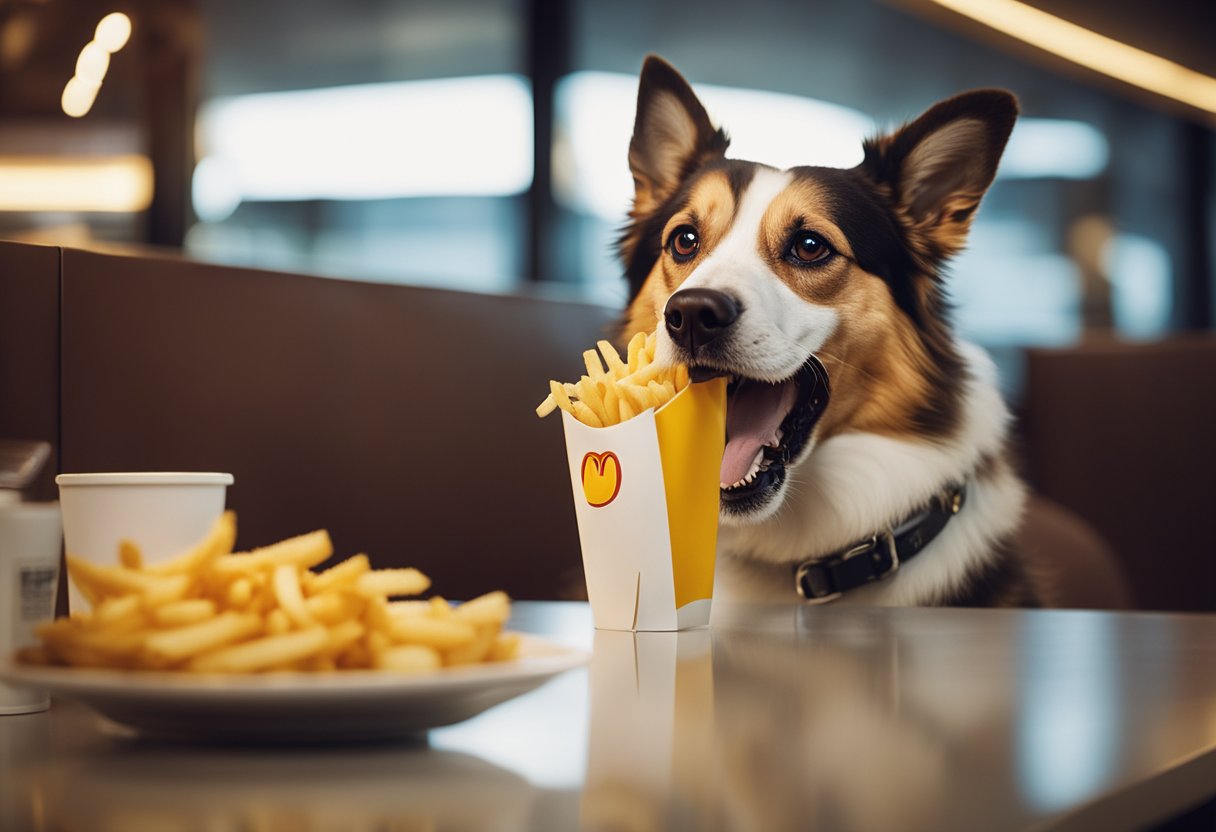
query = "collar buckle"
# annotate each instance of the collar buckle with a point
(814, 579)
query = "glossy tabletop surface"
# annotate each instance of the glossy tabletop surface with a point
(774, 718)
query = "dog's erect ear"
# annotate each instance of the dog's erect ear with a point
(672, 135)
(939, 166)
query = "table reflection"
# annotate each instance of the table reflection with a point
(741, 730)
(132, 786)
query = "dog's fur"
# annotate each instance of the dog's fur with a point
(912, 409)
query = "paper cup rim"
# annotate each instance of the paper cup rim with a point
(145, 478)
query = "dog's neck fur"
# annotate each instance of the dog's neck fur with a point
(855, 484)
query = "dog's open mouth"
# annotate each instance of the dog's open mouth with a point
(767, 426)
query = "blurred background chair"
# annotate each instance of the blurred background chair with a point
(1124, 435)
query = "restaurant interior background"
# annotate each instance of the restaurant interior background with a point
(481, 144)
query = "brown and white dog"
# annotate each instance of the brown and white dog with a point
(758, 274)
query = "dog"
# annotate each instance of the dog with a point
(867, 448)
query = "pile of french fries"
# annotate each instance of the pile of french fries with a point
(619, 388)
(211, 610)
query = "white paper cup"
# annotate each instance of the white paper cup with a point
(30, 538)
(163, 513)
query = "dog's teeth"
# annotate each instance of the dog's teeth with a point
(753, 470)
(755, 466)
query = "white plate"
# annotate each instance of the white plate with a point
(300, 707)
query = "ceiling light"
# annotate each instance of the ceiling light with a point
(78, 96)
(113, 31)
(92, 63)
(1089, 49)
(54, 183)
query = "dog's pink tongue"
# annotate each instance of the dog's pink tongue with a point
(753, 414)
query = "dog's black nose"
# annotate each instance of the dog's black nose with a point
(697, 316)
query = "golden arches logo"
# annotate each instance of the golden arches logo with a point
(601, 478)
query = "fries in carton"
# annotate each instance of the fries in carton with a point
(645, 487)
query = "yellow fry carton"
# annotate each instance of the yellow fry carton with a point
(646, 500)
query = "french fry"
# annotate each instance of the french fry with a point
(547, 406)
(505, 648)
(389, 582)
(636, 344)
(612, 358)
(409, 658)
(286, 583)
(277, 622)
(263, 653)
(330, 608)
(643, 375)
(219, 541)
(129, 554)
(611, 399)
(491, 608)
(586, 415)
(168, 589)
(114, 611)
(108, 580)
(411, 607)
(306, 550)
(184, 642)
(340, 575)
(239, 593)
(377, 642)
(472, 650)
(560, 396)
(181, 613)
(344, 635)
(595, 370)
(438, 633)
(658, 393)
(107, 643)
(626, 410)
(320, 663)
(637, 396)
(589, 395)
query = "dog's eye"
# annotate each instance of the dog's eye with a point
(684, 243)
(808, 248)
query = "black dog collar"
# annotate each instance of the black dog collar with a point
(879, 556)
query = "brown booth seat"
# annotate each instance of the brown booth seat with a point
(1124, 434)
(400, 418)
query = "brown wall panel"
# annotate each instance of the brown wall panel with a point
(399, 418)
(29, 350)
